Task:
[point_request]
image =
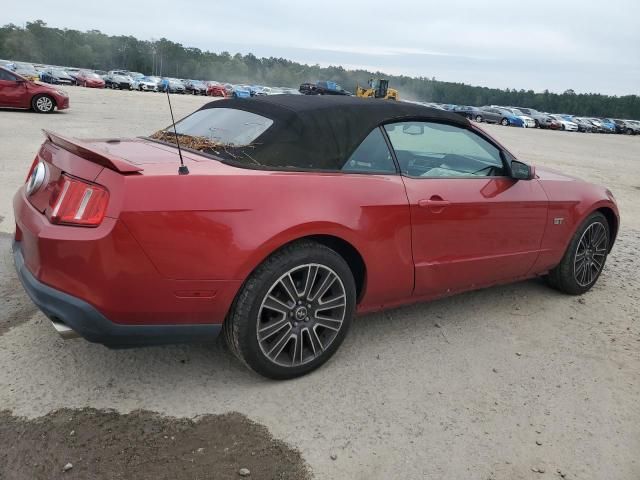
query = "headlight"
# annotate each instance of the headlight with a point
(61, 92)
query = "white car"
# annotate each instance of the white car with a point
(565, 124)
(146, 84)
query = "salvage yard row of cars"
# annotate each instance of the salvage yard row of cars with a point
(126, 80)
(37, 98)
(531, 118)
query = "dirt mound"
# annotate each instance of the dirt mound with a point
(141, 445)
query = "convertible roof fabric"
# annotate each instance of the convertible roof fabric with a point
(321, 132)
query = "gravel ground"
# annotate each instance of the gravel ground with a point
(512, 382)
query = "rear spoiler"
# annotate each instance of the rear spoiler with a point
(92, 153)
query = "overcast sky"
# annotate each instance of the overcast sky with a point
(587, 45)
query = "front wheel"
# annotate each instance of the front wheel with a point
(293, 312)
(479, 118)
(585, 257)
(43, 104)
(504, 122)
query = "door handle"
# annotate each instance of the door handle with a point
(436, 202)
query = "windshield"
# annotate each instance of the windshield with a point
(90, 75)
(218, 131)
(60, 73)
(25, 68)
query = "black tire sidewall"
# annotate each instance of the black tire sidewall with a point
(563, 275)
(34, 101)
(247, 307)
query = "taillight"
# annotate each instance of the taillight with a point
(76, 202)
(33, 166)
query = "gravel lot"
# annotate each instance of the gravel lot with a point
(513, 382)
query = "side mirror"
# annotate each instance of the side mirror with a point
(522, 171)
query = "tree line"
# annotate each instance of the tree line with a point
(38, 43)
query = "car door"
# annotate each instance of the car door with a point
(13, 91)
(472, 224)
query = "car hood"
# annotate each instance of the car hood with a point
(44, 85)
(545, 173)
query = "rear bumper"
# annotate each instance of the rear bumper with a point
(72, 316)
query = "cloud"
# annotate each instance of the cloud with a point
(544, 44)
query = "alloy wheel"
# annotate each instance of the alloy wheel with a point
(590, 254)
(44, 104)
(301, 315)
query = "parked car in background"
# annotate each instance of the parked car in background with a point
(565, 124)
(466, 111)
(27, 71)
(57, 76)
(89, 79)
(528, 121)
(541, 120)
(118, 82)
(584, 125)
(17, 91)
(632, 127)
(171, 85)
(608, 125)
(122, 73)
(323, 88)
(498, 115)
(544, 121)
(195, 87)
(240, 91)
(214, 89)
(597, 125)
(147, 84)
(256, 90)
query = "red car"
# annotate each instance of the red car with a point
(291, 213)
(216, 90)
(85, 78)
(18, 92)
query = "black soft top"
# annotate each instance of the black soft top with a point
(321, 132)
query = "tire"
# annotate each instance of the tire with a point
(274, 353)
(592, 239)
(537, 123)
(562, 127)
(629, 131)
(43, 104)
(504, 122)
(479, 118)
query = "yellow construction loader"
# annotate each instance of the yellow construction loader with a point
(377, 88)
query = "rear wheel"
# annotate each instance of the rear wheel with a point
(294, 311)
(504, 122)
(584, 259)
(43, 104)
(479, 118)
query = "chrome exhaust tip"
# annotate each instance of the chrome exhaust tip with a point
(64, 331)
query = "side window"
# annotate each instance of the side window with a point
(432, 150)
(371, 156)
(4, 75)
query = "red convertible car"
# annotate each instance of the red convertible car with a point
(295, 213)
